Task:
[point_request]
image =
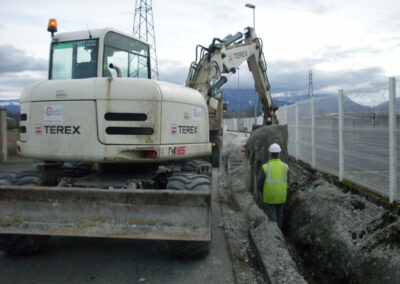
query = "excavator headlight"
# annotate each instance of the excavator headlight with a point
(52, 26)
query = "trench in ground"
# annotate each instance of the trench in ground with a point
(333, 235)
(299, 254)
(307, 261)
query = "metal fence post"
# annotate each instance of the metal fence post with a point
(3, 135)
(297, 131)
(313, 152)
(392, 141)
(340, 130)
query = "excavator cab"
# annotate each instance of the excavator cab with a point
(77, 55)
(225, 107)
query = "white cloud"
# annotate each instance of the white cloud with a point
(11, 84)
(16, 60)
(336, 38)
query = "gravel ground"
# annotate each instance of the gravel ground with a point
(235, 227)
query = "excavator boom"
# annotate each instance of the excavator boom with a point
(225, 56)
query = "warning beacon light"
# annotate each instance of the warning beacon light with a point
(52, 27)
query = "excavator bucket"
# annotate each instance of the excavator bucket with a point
(111, 213)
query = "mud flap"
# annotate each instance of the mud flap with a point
(111, 213)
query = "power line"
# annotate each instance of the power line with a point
(310, 85)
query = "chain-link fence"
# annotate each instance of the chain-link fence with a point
(337, 136)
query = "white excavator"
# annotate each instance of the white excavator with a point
(124, 156)
(225, 56)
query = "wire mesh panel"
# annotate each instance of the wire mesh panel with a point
(280, 114)
(304, 136)
(365, 140)
(366, 146)
(291, 116)
(230, 123)
(245, 123)
(366, 157)
(326, 134)
(398, 156)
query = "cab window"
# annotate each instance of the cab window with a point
(130, 55)
(73, 59)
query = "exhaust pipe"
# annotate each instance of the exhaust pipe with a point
(117, 69)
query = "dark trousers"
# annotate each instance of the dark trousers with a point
(274, 213)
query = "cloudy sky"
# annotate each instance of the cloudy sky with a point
(350, 45)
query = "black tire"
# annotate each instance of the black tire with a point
(193, 182)
(189, 181)
(18, 244)
(215, 156)
(22, 244)
(189, 249)
(198, 166)
(7, 179)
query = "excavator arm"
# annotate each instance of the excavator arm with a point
(225, 56)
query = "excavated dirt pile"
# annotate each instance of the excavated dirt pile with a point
(257, 150)
(342, 235)
(260, 139)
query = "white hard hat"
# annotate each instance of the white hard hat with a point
(274, 148)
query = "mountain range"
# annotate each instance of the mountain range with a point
(243, 99)
(12, 106)
(385, 105)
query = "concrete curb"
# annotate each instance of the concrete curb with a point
(263, 267)
(266, 239)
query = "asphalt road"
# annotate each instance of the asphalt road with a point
(17, 166)
(91, 260)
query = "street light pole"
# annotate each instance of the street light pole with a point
(251, 6)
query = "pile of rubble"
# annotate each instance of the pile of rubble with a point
(342, 234)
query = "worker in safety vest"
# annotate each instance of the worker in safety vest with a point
(272, 181)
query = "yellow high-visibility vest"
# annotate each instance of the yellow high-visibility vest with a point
(275, 183)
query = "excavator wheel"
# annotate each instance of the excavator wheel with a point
(7, 179)
(189, 249)
(193, 182)
(198, 166)
(17, 244)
